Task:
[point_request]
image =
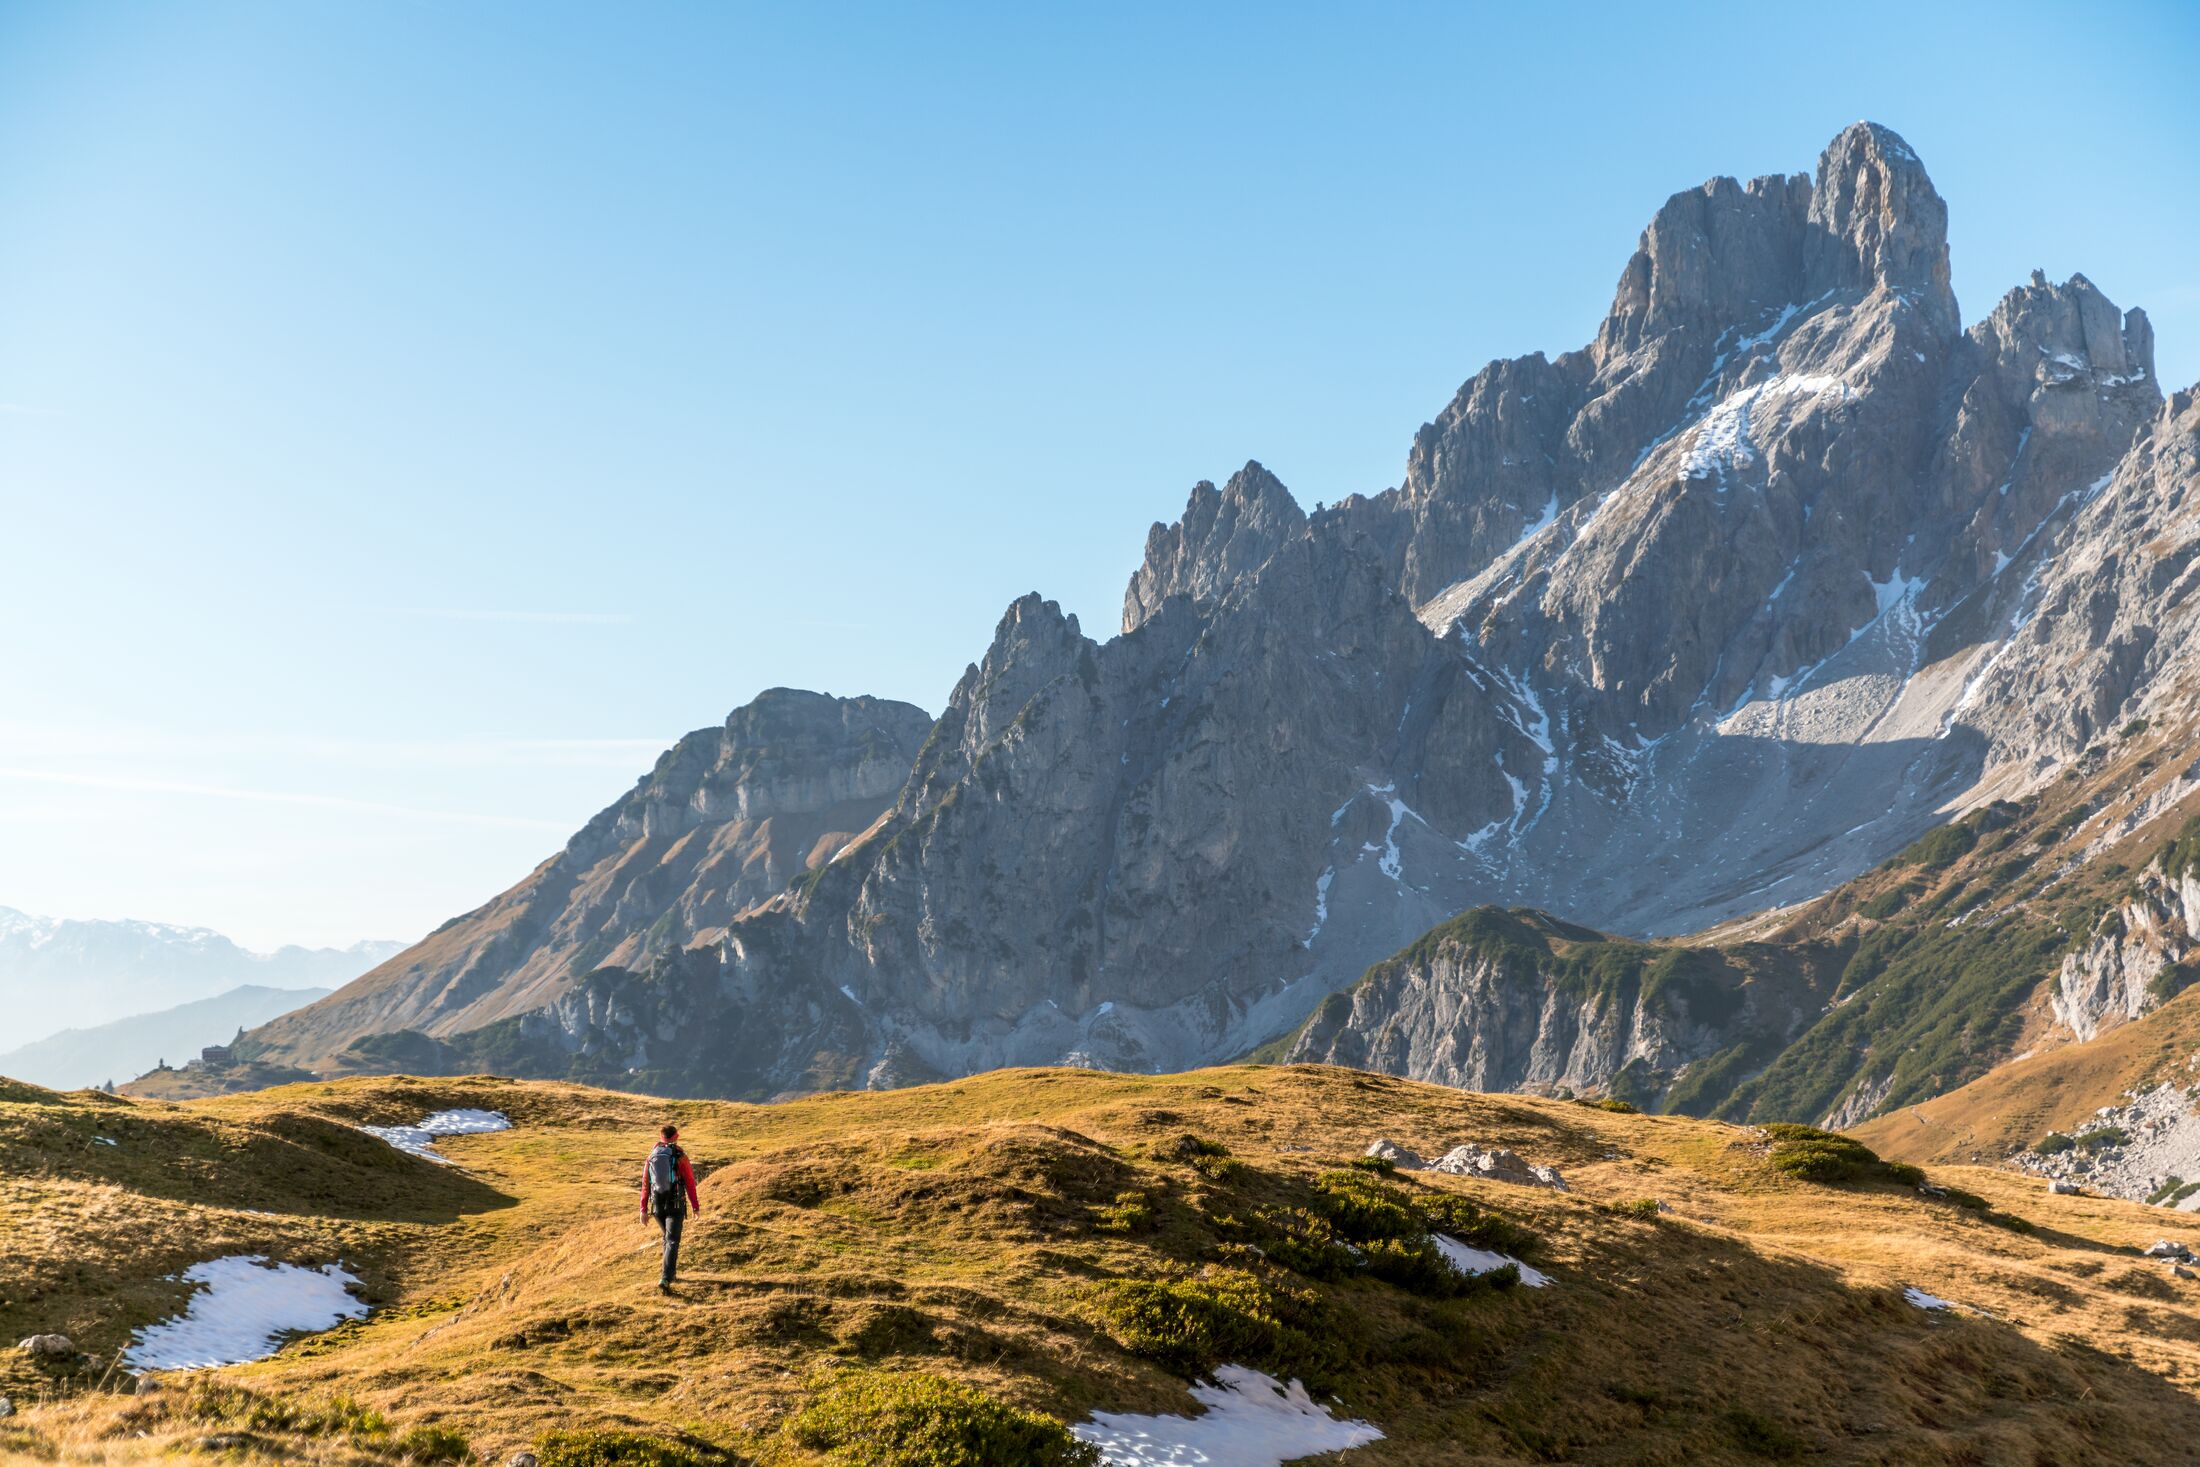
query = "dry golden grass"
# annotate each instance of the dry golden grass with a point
(2017, 1104)
(955, 1229)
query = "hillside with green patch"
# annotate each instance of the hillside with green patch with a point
(959, 1273)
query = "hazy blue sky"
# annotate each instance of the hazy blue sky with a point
(413, 416)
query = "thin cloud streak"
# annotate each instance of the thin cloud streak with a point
(139, 785)
(38, 740)
(546, 618)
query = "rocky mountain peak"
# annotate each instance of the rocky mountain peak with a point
(1223, 534)
(1877, 221)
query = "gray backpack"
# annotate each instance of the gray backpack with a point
(664, 1179)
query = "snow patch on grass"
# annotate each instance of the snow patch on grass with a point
(244, 1310)
(420, 1140)
(1471, 1261)
(1250, 1421)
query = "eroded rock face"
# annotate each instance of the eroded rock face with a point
(2142, 953)
(1514, 1001)
(1704, 617)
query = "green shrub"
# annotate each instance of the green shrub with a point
(1249, 1315)
(1644, 1209)
(1382, 1166)
(239, 1406)
(1211, 1159)
(1939, 848)
(1303, 1242)
(874, 1418)
(1903, 1172)
(1363, 1208)
(1192, 1324)
(2133, 729)
(1130, 1212)
(434, 1444)
(1615, 1105)
(602, 1447)
(2055, 1144)
(2104, 1138)
(1811, 1155)
(1887, 903)
(1470, 1222)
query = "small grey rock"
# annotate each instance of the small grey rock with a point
(47, 1347)
(1387, 1150)
(2062, 1188)
(7, 1407)
(520, 1459)
(2179, 1271)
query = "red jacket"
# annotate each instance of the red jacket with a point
(687, 1180)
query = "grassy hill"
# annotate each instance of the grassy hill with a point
(1064, 1241)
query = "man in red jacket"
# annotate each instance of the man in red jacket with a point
(668, 1191)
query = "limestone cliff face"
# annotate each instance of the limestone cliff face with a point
(1704, 617)
(2141, 953)
(1501, 1000)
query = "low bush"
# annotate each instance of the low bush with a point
(1886, 904)
(1470, 1222)
(1644, 1209)
(2055, 1144)
(872, 1418)
(1364, 1208)
(340, 1416)
(1811, 1155)
(434, 1444)
(2104, 1138)
(1130, 1212)
(1194, 1323)
(1939, 848)
(602, 1447)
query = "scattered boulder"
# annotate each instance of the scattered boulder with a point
(1492, 1163)
(2166, 1249)
(520, 1459)
(1384, 1149)
(47, 1347)
(2179, 1271)
(1496, 1164)
(146, 1385)
(2062, 1188)
(7, 1408)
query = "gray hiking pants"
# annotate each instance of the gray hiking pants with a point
(671, 1223)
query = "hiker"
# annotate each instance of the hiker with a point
(668, 1191)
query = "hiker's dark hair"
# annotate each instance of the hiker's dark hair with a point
(669, 1131)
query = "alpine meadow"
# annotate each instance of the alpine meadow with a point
(1667, 936)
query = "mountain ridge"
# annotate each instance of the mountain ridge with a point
(1708, 616)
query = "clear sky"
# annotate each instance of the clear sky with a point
(414, 416)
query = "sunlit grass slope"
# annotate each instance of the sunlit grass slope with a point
(1063, 1241)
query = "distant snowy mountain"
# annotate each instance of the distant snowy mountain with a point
(60, 973)
(76, 1058)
